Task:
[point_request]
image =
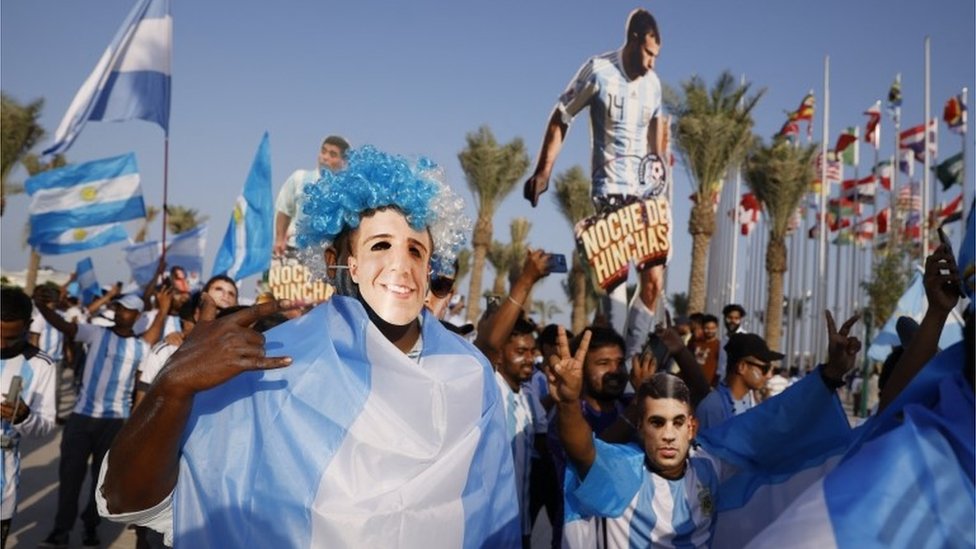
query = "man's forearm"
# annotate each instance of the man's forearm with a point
(282, 221)
(691, 373)
(576, 436)
(552, 143)
(143, 465)
(923, 347)
(500, 326)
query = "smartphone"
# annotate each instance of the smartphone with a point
(556, 263)
(655, 346)
(13, 392)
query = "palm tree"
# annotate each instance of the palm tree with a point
(500, 259)
(151, 213)
(180, 219)
(19, 132)
(491, 171)
(464, 264)
(573, 197)
(518, 248)
(713, 131)
(779, 175)
(546, 309)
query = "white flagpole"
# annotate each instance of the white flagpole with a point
(819, 339)
(967, 191)
(925, 228)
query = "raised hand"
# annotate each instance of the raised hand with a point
(842, 348)
(565, 371)
(669, 335)
(642, 368)
(218, 350)
(941, 280)
(534, 187)
(536, 265)
(164, 299)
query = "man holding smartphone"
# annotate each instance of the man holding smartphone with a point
(30, 410)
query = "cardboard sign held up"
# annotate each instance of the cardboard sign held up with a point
(289, 280)
(638, 230)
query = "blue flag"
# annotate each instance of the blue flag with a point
(81, 239)
(187, 250)
(131, 79)
(80, 196)
(353, 445)
(87, 283)
(143, 258)
(246, 248)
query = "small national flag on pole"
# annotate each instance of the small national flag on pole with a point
(863, 190)
(950, 171)
(805, 112)
(947, 213)
(883, 171)
(843, 207)
(954, 114)
(87, 282)
(894, 99)
(914, 140)
(131, 79)
(93, 196)
(881, 221)
(142, 259)
(847, 146)
(872, 132)
(246, 248)
(906, 162)
(909, 197)
(749, 208)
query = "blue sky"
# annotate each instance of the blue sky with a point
(415, 77)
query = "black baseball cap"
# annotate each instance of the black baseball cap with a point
(740, 346)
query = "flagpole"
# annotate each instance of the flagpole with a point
(822, 248)
(896, 219)
(162, 256)
(926, 162)
(967, 195)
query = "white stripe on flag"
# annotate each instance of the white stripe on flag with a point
(85, 194)
(240, 236)
(149, 48)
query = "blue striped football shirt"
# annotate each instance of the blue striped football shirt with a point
(110, 372)
(620, 114)
(50, 340)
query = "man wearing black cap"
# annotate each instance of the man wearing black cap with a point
(750, 362)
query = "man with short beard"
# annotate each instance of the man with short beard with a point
(524, 415)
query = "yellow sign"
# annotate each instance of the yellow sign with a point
(89, 193)
(637, 231)
(291, 282)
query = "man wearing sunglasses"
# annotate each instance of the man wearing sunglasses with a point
(750, 363)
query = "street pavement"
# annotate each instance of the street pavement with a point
(38, 492)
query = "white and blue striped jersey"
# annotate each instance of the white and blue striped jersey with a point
(37, 373)
(110, 372)
(154, 361)
(146, 319)
(639, 507)
(50, 340)
(620, 113)
(524, 418)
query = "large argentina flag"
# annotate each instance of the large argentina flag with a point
(353, 445)
(906, 482)
(88, 195)
(131, 79)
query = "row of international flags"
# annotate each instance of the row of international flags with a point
(844, 211)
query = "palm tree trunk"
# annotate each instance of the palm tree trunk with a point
(701, 225)
(480, 241)
(499, 286)
(579, 295)
(775, 268)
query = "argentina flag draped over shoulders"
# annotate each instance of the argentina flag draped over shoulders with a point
(353, 445)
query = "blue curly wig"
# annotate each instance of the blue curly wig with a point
(373, 180)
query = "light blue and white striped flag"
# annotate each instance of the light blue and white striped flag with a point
(185, 250)
(142, 259)
(87, 282)
(907, 481)
(94, 194)
(80, 239)
(352, 445)
(131, 79)
(246, 248)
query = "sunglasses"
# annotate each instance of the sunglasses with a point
(441, 286)
(764, 366)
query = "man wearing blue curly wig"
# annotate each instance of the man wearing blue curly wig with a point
(384, 429)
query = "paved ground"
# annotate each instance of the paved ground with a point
(39, 491)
